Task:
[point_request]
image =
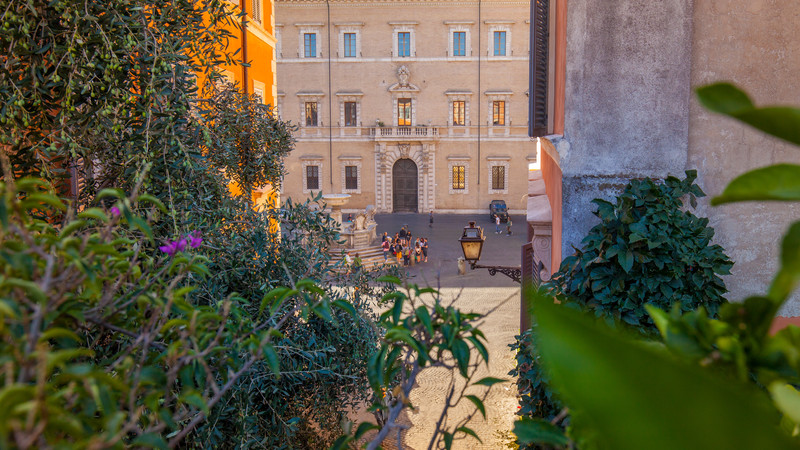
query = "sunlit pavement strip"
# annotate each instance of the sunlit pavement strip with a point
(500, 327)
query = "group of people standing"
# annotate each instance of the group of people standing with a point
(403, 246)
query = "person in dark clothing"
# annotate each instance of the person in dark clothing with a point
(425, 249)
(386, 246)
(430, 220)
(398, 249)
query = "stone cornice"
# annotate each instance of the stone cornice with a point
(373, 3)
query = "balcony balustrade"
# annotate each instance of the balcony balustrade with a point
(417, 132)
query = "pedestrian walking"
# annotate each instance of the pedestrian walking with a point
(425, 249)
(386, 246)
(430, 220)
(348, 261)
(496, 224)
(508, 226)
(398, 248)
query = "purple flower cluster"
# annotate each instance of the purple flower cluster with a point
(172, 247)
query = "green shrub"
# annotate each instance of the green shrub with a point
(323, 362)
(536, 399)
(647, 249)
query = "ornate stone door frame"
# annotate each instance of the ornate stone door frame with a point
(423, 155)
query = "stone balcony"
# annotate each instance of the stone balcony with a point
(421, 133)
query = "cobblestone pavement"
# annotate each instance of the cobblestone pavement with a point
(476, 291)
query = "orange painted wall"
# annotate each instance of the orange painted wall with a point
(260, 54)
(260, 51)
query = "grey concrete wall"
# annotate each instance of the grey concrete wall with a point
(753, 44)
(627, 100)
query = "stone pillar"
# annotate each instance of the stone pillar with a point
(540, 241)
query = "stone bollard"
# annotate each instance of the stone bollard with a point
(462, 266)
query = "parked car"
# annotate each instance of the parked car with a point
(498, 208)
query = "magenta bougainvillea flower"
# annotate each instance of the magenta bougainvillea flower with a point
(194, 239)
(173, 247)
(115, 211)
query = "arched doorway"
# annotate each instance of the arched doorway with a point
(404, 186)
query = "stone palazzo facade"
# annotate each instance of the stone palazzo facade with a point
(411, 106)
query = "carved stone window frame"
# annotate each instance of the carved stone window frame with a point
(279, 104)
(459, 26)
(311, 160)
(278, 41)
(454, 96)
(304, 28)
(404, 27)
(344, 97)
(351, 161)
(453, 161)
(304, 97)
(498, 96)
(349, 27)
(499, 25)
(498, 161)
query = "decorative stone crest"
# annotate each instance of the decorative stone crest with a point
(405, 150)
(402, 74)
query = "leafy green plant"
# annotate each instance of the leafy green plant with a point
(536, 399)
(646, 250)
(245, 139)
(102, 343)
(422, 334)
(715, 383)
(324, 362)
(631, 395)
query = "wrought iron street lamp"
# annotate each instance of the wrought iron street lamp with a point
(471, 241)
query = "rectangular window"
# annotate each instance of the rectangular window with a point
(404, 44)
(350, 114)
(350, 177)
(258, 95)
(459, 108)
(498, 113)
(256, 10)
(460, 43)
(499, 43)
(458, 177)
(498, 178)
(349, 45)
(312, 177)
(311, 114)
(310, 45)
(404, 112)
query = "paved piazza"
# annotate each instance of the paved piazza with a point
(476, 291)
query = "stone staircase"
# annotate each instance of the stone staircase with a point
(371, 257)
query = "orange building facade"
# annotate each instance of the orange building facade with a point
(256, 66)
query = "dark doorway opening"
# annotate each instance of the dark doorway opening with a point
(404, 181)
